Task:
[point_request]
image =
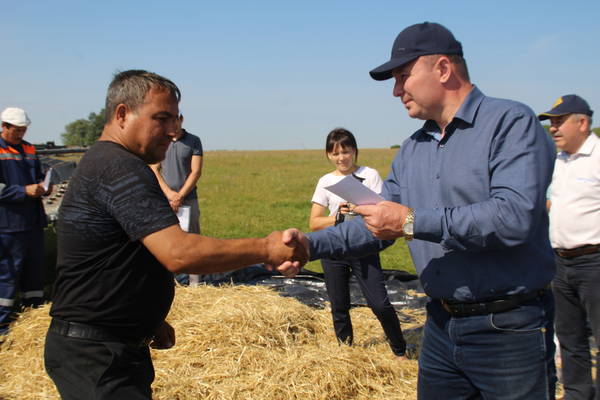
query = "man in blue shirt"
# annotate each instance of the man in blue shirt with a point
(469, 187)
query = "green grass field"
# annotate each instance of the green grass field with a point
(251, 193)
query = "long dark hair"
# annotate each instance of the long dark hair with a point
(343, 138)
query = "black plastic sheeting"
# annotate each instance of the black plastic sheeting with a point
(309, 287)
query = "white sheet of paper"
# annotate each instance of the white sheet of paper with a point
(350, 189)
(46, 183)
(183, 213)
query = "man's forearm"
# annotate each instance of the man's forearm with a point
(349, 239)
(205, 255)
(12, 193)
(179, 251)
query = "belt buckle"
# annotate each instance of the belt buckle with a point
(445, 306)
(455, 310)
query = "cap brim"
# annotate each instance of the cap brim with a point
(384, 71)
(548, 115)
(17, 123)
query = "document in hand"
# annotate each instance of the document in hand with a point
(184, 215)
(351, 190)
(47, 179)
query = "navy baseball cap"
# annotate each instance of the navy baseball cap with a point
(416, 41)
(568, 104)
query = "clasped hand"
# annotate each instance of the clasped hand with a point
(175, 200)
(288, 251)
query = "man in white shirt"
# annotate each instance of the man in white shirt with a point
(575, 237)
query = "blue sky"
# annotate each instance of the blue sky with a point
(269, 75)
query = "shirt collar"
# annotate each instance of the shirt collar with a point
(466, 112)
(470, 105)
(586, 148)
(5, 145)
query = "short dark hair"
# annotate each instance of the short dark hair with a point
(131, 87)
(343, 138)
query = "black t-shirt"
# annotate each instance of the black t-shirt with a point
(105, 275)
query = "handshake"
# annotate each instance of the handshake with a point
(287, 252)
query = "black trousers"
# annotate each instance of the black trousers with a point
(88, 369)
(576, 289)
(370, 278)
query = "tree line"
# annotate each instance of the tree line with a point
(84, 132)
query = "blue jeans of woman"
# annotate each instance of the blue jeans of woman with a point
(369, 276)
(508, 355)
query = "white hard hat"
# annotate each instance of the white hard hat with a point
(15, 116)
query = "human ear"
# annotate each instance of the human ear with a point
(121, 114)
(584, 124)
(444, 67)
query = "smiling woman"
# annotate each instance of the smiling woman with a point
(342, 151)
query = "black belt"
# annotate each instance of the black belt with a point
(504, 304)
(84, 331)
(578, 251)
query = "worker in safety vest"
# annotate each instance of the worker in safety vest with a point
(22, 217)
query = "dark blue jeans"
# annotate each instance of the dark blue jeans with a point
(501, 356)
(576, 288)
(367, 271)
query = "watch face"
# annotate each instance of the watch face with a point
(408, 228)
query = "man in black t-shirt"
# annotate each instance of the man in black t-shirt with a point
(119, 244)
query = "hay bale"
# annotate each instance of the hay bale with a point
(240, 342)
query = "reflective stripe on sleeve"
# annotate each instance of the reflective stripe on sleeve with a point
(7, 302)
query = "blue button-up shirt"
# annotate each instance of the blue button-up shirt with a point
(481, 227)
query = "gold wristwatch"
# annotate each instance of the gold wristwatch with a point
(407, 227)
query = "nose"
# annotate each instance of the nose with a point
(398, 90)
(172, 129)
(553, 129)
